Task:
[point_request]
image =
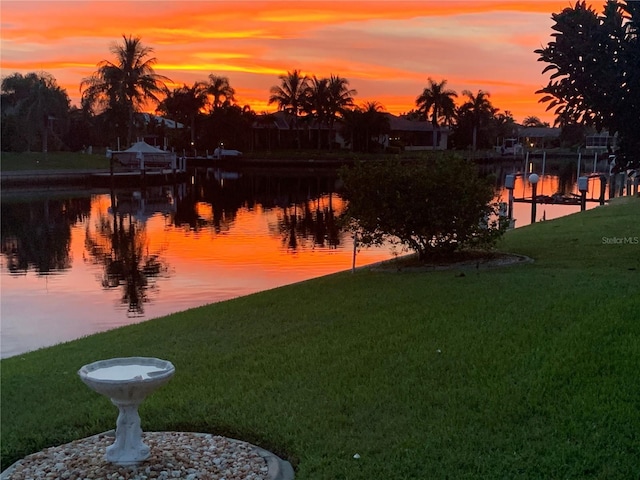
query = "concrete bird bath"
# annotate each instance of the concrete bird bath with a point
(127, 382)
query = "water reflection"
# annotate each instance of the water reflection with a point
(304, 201)
(204, 206)
(567, 178)
(126, 255)
(36, 234)
(120, 245)
(314, 222)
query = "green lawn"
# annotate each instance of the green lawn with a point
(529, 371)
(52, 161)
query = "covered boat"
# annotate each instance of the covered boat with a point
(143, 156)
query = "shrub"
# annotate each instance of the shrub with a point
(432, 207)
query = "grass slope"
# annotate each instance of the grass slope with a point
(519, 372)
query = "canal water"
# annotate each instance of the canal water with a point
(75, 263)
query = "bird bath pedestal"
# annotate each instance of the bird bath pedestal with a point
(127, 382)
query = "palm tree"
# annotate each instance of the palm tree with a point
(327, 99)
(375, 121)
(290, 96)
(362, 124)
(184, 104)
(479, 108)
(317, 103)
(127, 85)
(221, 91)
(340, 99)
(439, 101)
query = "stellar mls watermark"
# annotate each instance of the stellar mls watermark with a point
(621, 240)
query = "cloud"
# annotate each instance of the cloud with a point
(386, 49)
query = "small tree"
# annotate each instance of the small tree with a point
(432, 208)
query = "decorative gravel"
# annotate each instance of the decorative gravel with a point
(187, 456)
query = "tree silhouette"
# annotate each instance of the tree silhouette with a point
(291, 95)
(229, 125)
(125, 86)
(595, 69)
(317, 103)
(221, 92)
(36, 107)
(478, 109)
(340, 99)
(184, 105)
(362, 124)
(431, 208)
(438, 101)
(533, 121)
(326, 101)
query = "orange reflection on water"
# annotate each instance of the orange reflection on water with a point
(133, 262)
(142, 254)
(255, 238)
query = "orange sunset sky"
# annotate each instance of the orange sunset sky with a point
(386, 49)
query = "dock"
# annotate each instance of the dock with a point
(90, 178)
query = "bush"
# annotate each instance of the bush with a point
(431, 207)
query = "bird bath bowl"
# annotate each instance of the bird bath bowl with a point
(127, 382)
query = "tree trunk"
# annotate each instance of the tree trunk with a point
(130, 129)
(297, 131)
(330, 136)
(475, 134)
(45, 139)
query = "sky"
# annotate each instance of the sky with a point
(386, 49)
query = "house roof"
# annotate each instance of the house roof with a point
(277, 120)
(401, 124)
(281, 120)
(167, 121)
